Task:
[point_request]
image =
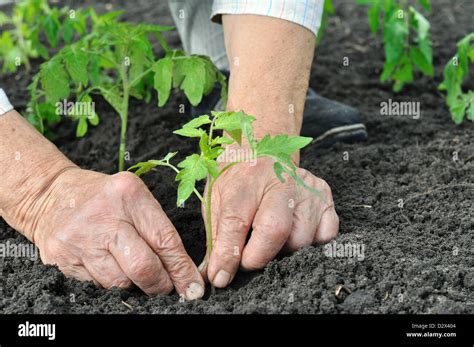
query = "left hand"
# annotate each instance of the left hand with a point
(282, 216)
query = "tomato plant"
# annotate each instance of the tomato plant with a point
(202, 165)
(116, 60)
(20, 39)
(456, 72)
(406, 37)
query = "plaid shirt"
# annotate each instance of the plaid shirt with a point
(5, 105)
(307, 13)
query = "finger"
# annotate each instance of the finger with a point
(328, 227)
(238, 206)
(306, 218)
(141, 265)
(271, 227)
(107, 272)
(157, 230)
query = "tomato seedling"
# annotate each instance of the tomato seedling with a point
(456, 72)
(234, 127)
(117, 61)
(406, 37)
(20, 39)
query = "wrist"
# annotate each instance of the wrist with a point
(30, 165)
(29, 199)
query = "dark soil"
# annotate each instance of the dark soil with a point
(418, 259)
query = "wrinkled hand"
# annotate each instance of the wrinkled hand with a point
(111, 230)
(281, 215)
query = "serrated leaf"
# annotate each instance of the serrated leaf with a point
(281, 145)
(51, 28)
(54, 81)
(114, 99)
(193, 82)
(212, 167)
(76, 62)
(395, 32)
(193, 169)
(221, 140)
(163, 70)
(188, 132)
(198, 122)
(68, 30)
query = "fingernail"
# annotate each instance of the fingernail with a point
(222, 279)
(194, 291)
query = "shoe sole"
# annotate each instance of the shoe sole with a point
(346, 133)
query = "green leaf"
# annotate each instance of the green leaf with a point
(81, 129)
(221, 140)
(281, 144)
(188, 132)
(194, 80)
(76, 62)
(374, 13)
(197, 122)
(420, 23)
(193, 169)
(145, 167)
(212, 167)
(470, 111)
(114, 99)
(4, 19)
(278, 168)
(425, 4)
(68, 30)
(54, 80)
(458, 110)
(395, 33)
(163, 70)
(51, 26)
(421, 61)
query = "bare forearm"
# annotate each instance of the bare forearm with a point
(270, 63)
(29, 164)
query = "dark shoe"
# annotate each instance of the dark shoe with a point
(329, 121)
(325, 120)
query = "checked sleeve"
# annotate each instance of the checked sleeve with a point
(307, 13)
(5, 105)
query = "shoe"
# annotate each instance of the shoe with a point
(329, 121)
(326, 121)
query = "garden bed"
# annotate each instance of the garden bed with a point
(417, 259)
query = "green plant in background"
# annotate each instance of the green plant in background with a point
(202, 165)
(456, 72)
(328, 10)
(117, 61)
(20, 38)
(406, 37)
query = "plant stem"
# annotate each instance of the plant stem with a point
(124, 118)
(208, 227)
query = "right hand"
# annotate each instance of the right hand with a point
(111, 230)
